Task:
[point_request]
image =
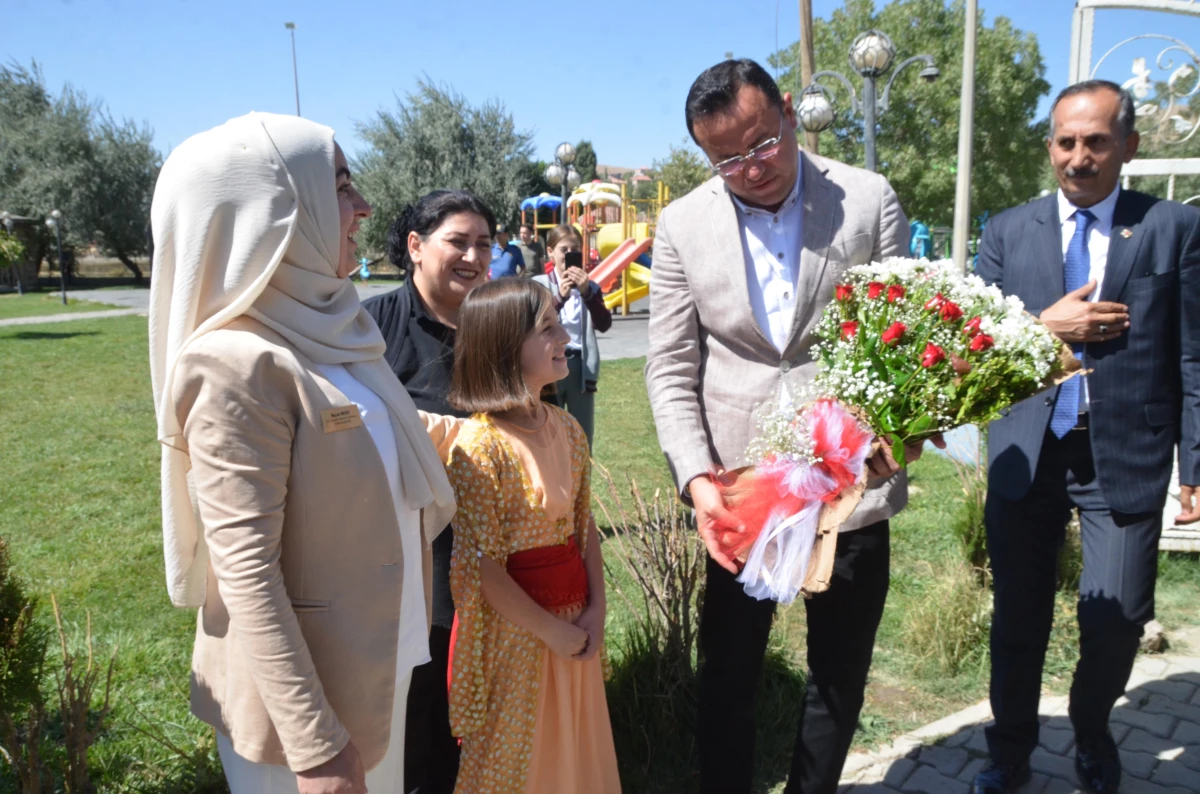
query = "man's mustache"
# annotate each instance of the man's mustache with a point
(1073, 172)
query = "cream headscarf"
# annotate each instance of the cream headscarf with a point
(246, 221)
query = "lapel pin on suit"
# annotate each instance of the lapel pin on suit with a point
(1127, 233)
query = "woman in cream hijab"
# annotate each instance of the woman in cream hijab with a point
(295, 470)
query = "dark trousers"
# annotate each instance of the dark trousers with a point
(841, 636)
(1116, 595)
(430, 750)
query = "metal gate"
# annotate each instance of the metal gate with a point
(1178, 67)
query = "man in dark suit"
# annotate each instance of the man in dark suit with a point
(1117, 275)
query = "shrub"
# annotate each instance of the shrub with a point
(24, 743)
(76, 684)
(1070, 557)
(969, 525)
(948, 629)
(655, 565)
(23, 644)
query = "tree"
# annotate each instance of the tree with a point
(11, 250)
(127, 164)
(585, 161)
(683, 170)
(436, 139)
(918, 136)
(68, 153)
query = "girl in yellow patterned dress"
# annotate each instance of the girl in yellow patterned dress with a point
(527, 689)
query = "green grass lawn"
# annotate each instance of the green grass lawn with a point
(38, 304)
(79, 508)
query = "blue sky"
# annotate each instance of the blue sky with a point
(614, 72)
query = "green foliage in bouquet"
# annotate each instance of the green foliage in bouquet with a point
(921, 348)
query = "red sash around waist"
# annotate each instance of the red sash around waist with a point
(553, 576)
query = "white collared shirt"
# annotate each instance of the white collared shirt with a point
(1098, 238)
(570, 316)
(771, 242)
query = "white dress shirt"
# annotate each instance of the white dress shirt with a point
(1099, 236)
(570, 317)
(772, 242)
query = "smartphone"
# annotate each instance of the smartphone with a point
(574, 259)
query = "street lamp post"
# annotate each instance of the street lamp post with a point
(871, 54)
(562, 173)
(7, 219)
(295, 73)
(55, 223)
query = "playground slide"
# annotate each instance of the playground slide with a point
(635, 287)
(605, 274)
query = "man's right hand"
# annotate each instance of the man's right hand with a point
(711, 514)
(342, 774)
(1075, 319)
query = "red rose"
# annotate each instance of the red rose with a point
(934, 303)
(844, 291)
(895, 292)
(849, 329)
(892, 335)
(982, 342)
(951, 312)
(933, 355)
(972, 326)
(874, 289)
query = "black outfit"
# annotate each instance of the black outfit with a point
(734, 628)
(420, 350)
(1143, 399)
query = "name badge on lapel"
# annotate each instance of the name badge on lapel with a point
(343, 417)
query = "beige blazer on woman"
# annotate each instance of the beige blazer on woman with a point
(296, 643)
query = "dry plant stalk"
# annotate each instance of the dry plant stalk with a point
(973, 477)
(76, 688)
(22, 737)
(661, 552)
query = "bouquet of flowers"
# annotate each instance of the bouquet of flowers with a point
(907, 348)
(921, 348)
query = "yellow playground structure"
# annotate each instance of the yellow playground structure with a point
(612, 227)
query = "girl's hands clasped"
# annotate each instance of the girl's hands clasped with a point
(566, 639)
(591, 621)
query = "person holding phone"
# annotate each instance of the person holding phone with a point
(582, 312)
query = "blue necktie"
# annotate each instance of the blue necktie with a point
(1076, 267)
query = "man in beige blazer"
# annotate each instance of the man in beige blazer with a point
(743, 267)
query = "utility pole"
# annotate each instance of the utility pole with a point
(811, 139)
(966, 135)
(295, 73)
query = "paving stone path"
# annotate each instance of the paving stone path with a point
(1156, 725)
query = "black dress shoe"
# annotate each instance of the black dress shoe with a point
(1001, 778)
(1098, 765)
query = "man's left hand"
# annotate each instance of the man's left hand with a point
(1189, 498)
(883, 464)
